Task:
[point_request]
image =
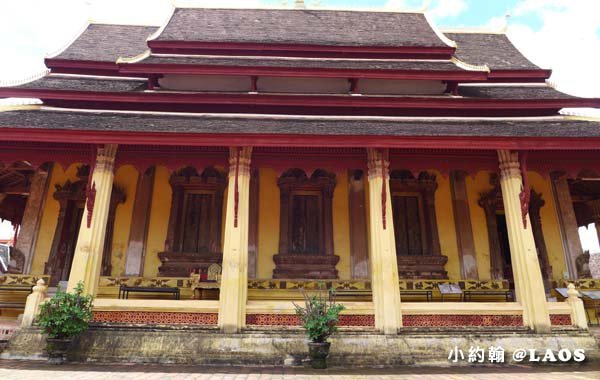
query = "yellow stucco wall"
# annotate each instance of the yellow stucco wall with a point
(446, 228)
(50, 216)
(126, 178)
(476, 185)
(159, 221)
(550, 224)
(341, 226)
(268, 222)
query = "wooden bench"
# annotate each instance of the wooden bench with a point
(468, 294)
(27, 289)
(427, 293)
(591, 302)
(124, 291)
(354, 294)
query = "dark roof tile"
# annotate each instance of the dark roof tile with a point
(208, 124)
(356, 64)
(56, 82)
(512, 92)
(494, 50)
(312, 27)
(106, 43)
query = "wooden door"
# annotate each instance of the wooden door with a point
(407, 225)
(196, 223)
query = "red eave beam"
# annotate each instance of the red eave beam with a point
(299, 100)
(82, 67)
(296, 50)
(519, 76)
(296, 140)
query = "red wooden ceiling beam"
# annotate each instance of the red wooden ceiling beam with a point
(186, 69)
(297, 50)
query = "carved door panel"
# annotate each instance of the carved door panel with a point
(305, 224)
(196, 224)
(407, 225)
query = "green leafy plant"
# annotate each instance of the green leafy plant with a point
(320, 315)
(66, 314)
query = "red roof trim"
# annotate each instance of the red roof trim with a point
(191, 139)
(82, 67)
(520, 75)
(199, 47)
(157, 68)
(299, 100)
(52, 63)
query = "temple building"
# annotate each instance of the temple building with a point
(197, 175)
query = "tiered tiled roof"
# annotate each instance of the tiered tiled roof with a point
(286, 125)
(484, 75)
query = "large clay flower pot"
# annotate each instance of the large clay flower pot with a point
(57, 349)
(318, 354)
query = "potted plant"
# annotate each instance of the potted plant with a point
(62, 318)
(319, 316)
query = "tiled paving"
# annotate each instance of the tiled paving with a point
(10, 370)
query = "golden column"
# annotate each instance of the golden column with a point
(384, 266)
(90, 242)
(234, 279)
(529, 285)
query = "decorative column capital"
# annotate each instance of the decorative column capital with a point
(378, 163)
(240, 157)
(105, 160)
(509, 164)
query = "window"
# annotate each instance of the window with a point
(306, 226)
(194, 233)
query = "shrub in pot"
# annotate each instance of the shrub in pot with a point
(319, 316)
(62, 318)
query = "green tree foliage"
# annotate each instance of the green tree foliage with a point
(66, 314)
(320, 315)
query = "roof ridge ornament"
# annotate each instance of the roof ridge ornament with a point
(299, 4)
(467, 66)
(134, 59)
(162, 27)
(20, 81)
(504, 29)
(60, 49)
(439, 33)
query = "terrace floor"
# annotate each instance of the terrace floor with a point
(24, 370)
